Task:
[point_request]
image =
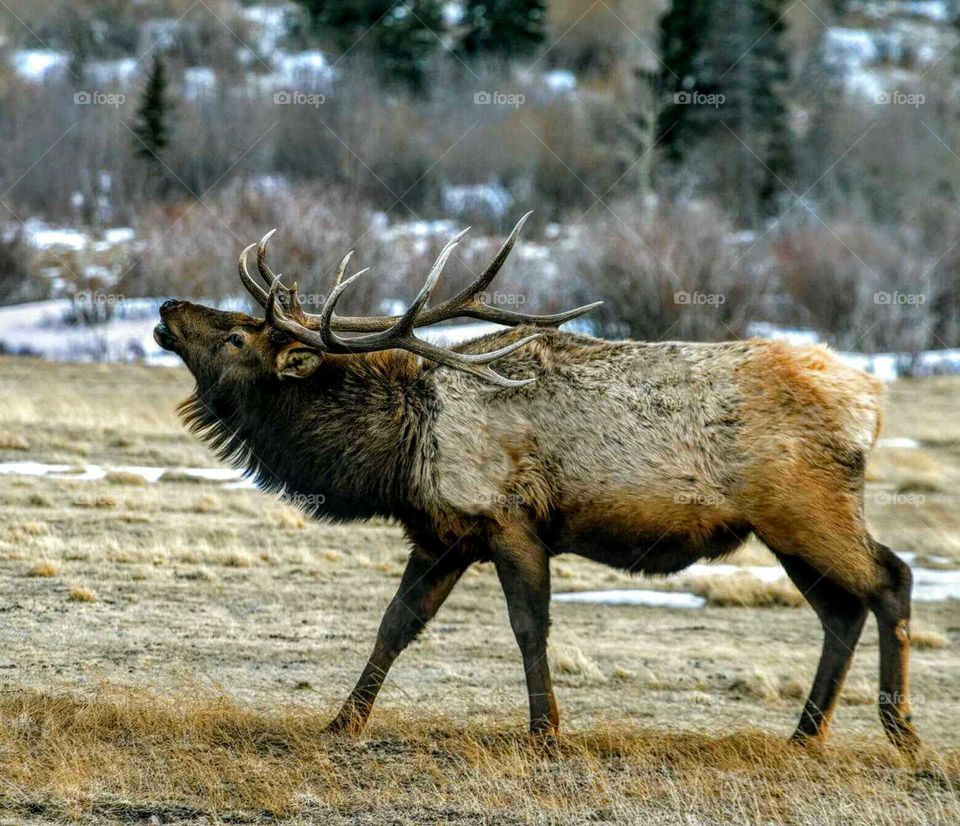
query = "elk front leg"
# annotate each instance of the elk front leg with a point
(425, 585)
(523, 566)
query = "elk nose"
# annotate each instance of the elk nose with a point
(170, 303)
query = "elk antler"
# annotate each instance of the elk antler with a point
(389, 332)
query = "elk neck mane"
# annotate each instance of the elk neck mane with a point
(348, 445)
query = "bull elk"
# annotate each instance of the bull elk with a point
(643, 456)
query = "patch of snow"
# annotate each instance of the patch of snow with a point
(931, 585)
(490, 199)
(158, 33)
(419, 229)
(634, 596)
(898, 442)
(935, 11)
(37, 65)
(792, 335)
(272, 23)
(303, 70)
(890, 366)
(560, 81)
(199, 82)
(42, 236)
(43, 328)
(120, 71)
(452, 13)
(93, 473)
(457, 333)
(850, 48)
(119, 235)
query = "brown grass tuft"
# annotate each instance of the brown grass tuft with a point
(13, 441)
(43, 569)
(571, 666)
(80, 593)
(926, 639)
(746, 591)
(123, 477)
(115, 754)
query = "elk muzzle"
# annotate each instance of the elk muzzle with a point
(162, 333)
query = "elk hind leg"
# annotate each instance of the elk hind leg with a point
(842, 615)
(890, 604)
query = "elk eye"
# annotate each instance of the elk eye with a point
(235, 339)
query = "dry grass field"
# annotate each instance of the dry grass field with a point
(170, 651)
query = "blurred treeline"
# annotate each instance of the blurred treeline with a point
(692, 146)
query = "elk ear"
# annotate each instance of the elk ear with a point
(297, 362)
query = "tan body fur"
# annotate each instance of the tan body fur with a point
(684, 446)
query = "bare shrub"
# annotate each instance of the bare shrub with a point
(866, 288)
(666, 274)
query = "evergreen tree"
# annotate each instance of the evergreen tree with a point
(732, 50)
(504, 28)
(683, 31)
(153, 115)
(402, 37)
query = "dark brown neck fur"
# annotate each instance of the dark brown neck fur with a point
(345, 444)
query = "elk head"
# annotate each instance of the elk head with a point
(228, 349)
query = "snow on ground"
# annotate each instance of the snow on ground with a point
(933, 10)
(634, 596)
(271, 24)
(42, 329)
(41, 236)
(199, 82)
(900, 442)
(93, 473)
(490, 200)
(38, 65)
(792, 335)
(929, 585)
(560, 81)
(113, 72)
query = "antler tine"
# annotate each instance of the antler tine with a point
(409, 319)
(265, 272)
(252, 286)
(469, 293)
(270, 308)
(342, 268)
(330, 340)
